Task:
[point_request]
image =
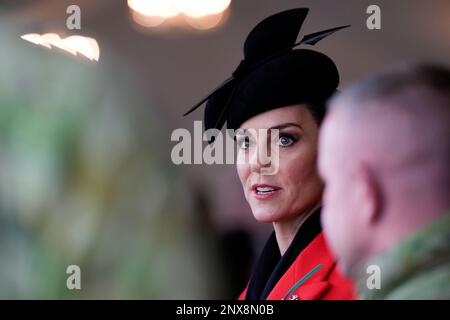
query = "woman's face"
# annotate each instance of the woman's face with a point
(295, 188)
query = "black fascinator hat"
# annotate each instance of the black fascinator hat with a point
(273, 74)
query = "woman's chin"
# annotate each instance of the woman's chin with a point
(266, 215)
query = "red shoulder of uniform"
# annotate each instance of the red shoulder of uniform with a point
(317, 268)
(314, 275)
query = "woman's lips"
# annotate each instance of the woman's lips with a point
(264, 191)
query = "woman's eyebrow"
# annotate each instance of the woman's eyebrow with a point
(286, 125)
(279, 126)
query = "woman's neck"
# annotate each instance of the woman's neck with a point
(285, 231)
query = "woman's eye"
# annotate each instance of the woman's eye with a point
(285, 141)
(244, 143)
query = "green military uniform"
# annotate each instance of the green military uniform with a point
(418, 268)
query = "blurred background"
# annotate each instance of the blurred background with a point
(85, 171)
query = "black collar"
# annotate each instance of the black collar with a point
(271, 266)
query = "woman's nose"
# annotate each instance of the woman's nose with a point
(259, 157)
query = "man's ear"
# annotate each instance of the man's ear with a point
(368, 195)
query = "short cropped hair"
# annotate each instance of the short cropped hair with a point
(394, 81)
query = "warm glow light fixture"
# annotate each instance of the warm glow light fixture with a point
(85, 46)
(201, 14)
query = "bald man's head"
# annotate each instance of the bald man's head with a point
(385, 155)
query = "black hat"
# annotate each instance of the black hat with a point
(273, 74)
